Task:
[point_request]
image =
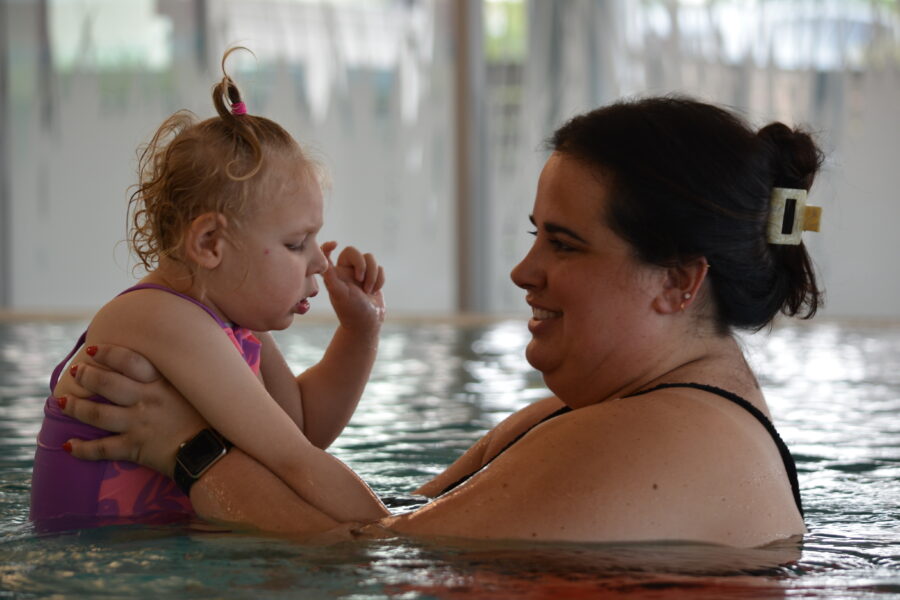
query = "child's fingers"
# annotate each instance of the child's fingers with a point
(104, 416)
(351, 257)
(330, 276)
(379, 282)
(114, 447)
(371, 273)
(327, 249)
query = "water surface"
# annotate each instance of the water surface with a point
(834, 391)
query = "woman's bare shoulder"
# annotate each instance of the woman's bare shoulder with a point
(643, 468)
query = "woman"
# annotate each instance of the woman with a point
(661, 225)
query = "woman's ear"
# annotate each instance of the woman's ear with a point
(205, 240)
(681, 286)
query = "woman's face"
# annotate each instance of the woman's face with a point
(590, 297)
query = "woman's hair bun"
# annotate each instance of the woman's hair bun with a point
(795, 157)
(795, 160)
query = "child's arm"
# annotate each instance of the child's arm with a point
(332, 387)
(280, 381)
(192, 352)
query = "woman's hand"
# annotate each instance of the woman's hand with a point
(354, 288)
(151, 419)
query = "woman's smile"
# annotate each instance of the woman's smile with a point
(540, 314)
(542, 319)
(580, 278)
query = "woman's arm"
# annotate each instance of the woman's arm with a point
(491, 444)
(542, 488)
(237, 490)
(671, 465)
(491, 504)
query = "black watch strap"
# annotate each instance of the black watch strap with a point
(197, 455)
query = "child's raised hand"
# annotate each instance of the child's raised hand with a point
(354, 287)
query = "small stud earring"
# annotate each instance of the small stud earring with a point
(686, 296)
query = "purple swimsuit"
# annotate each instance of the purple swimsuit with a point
(64, 486)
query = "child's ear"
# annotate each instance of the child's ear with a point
(205, 240)
(681, 286)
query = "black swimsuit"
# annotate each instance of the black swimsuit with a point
(789, 465)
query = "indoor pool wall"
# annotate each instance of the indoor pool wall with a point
(834, 391)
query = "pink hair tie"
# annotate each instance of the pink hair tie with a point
(238, 108)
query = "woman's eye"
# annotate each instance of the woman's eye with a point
(561, 246)
(295, 247)
(555, 243)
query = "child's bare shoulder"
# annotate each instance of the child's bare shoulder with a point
(147, 313)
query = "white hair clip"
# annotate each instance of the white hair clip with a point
(789, 216)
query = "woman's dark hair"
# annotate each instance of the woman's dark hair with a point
(692, 180)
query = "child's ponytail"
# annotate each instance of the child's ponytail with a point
(192, 167)
(232, 110)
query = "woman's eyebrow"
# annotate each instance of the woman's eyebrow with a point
(554, 228)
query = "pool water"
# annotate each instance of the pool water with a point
(834, 390)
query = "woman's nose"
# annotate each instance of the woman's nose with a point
(526, 274)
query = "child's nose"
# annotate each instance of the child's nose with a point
(319, 264)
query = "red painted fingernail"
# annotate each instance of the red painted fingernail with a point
(72, 370)
(91, 350)
(68, 447)
(62, 402)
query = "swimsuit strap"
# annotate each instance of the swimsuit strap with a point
(789, 464)
(54, 378)
(162, 288)
(465, 478)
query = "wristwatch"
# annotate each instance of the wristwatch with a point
(197, 455)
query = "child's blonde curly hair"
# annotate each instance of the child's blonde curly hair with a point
(193, 167)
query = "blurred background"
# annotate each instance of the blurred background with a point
(430, 116)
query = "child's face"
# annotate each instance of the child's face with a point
(277, 254)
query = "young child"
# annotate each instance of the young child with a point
(225, 219)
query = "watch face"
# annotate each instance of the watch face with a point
(200, 452)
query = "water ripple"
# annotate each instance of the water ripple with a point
(834, 392)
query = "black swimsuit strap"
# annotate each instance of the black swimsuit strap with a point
(789, 464)
(466, 477)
